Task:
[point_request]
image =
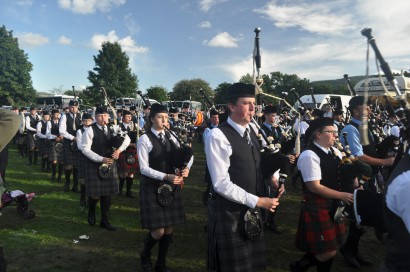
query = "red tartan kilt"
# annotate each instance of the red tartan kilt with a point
(124, 166)
(317, 232)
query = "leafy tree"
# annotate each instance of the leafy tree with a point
(189, 90)
(158, 93)
(112, 72)
(221, 93)
(16, 86)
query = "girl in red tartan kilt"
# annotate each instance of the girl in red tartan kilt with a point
(318, 234)
(128, 160)
(155, 160)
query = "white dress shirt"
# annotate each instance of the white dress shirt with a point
(39, 127)
(48, 130)
(309, 163)
(218, 151)
(144, 147)
(63, 126)
(28, 126)
(87, 141)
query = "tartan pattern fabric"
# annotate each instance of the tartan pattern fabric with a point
(31, 143)
(53, 155)
(123, 166)
(228, 249)
(317, 232)
(21, 139)
(69, 157)
(95, 186)
(81, 165)
(42, 147)
(153, 215)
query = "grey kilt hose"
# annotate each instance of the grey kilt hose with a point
(53, 155)
(70, 157)
(42, 147)
(153, 215)
(31, 143)
(228, 249)
(95, 186)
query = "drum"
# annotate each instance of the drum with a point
(199, 118)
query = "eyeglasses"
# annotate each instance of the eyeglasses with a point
(335, 132)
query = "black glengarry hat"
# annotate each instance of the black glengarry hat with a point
(240, 89)
(101, 110)
(157, 108)
(318, 124)
(270, 109)
(73, 103)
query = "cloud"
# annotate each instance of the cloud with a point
(24, 3)
(205, 24)
(64, 40)
(127, 43)
(206, 5)
(131, 25)
(222, 40)
(32, 39)
(89, 6)
(312, 17)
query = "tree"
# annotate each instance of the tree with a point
(189, 90)
(16, 86)
(221, 93)
(158, 93)
(112, 72)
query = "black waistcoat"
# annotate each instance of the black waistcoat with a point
(329, 166)
(161, 155)
(33, 122)
(70, 123)
(398, 240)
(101, 142)
(54, 128)
(369, 149)
(43, 127)
(245, 164)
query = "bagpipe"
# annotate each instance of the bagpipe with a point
(182, 154)
(116, 140)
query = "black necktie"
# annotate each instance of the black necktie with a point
(248, 137)
(104, 129)
(161, 138)
(74, 116)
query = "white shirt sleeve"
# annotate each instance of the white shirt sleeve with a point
(86, 143)
(309, 166)
(395, 131)
(218, 150)
(39, 127)
(79, 137)
(28, 126)
(144, 147)
(397, 198)
(63, 128)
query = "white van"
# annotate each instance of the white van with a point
(336, 100)
(127, 102)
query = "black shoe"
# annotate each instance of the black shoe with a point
(349, 257)
(53, 178)
(106, 225)
(66, 189)
(75, 189)
(83, 203)
(59, 179)
(146, 264)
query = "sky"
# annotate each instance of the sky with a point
(171, 40)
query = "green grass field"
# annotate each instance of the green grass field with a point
(46, 243)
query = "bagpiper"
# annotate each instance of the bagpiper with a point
(55, 145)
(31, 124)
(42, 141)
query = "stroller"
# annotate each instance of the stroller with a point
(18, 198)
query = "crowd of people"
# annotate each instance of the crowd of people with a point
(247, 161)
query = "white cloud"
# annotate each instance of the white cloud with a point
(223, 39)
(131, 25)
(127, 43)
(205, 24)
(64, 40)
(313, 17)
(89, 6)
(32, 39)
(206, 5)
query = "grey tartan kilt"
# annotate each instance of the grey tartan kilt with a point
(226, 244)
(31, 143)
(42, 147)
(153, 215)
(21, 139)
(95, 186)
(69, 157)
(82, 161)
(53, 155)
